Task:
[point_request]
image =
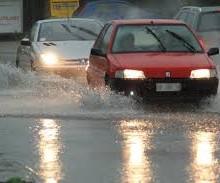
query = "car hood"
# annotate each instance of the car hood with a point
(211, 38)
(67, 50)
(155, 65)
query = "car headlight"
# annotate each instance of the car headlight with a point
(130, 74)
(203, 73)
(49, 58)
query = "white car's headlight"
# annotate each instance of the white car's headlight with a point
(49, 58)
(130, 74)
(203, 73)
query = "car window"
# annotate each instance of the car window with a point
(190, 19)
(147, 38)
(104, 38)
(128, 39)
(99, 39)
(182, 16)
(69, 30)
(209, 22)
(33, 32)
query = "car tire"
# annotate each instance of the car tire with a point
(31, 66)
(109, 83)
(214, 92)
(88, 80)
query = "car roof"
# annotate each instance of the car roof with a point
(204, 9)
(146, 21)
(90, 9)
(72, 19)
(108, 2)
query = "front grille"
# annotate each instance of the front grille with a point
(148, 86)
(74, 62)
(188, 85)
(168, 80)
(151, 83)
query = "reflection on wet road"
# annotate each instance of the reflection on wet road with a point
(205, 165)
(126, 151)
(49, 151)
(136, 164)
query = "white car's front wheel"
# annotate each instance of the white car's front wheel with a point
(26, 67)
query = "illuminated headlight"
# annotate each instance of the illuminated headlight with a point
(203, 73)
(130, 74)
(49, 58)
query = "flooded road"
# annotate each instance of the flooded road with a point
(57, 130)
(89, 150)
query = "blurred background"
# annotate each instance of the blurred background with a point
(35, 10)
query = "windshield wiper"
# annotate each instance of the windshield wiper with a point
(72, 34)
(85, 30)
(157, 38)
(186, 43)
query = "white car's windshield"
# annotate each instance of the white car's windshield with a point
(69, 30)
(147, 38)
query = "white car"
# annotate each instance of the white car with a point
(58, 45)
(204, 21)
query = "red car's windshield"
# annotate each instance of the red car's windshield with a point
(153, 38)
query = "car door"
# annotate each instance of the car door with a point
(25, 58)
(98, 63)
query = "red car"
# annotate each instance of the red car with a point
(152, 58)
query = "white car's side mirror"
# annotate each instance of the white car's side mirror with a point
(26, 42)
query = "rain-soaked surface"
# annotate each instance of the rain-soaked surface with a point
(55, 130)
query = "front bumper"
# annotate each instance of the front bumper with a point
(190, 88)
(63, 70)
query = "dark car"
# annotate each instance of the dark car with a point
(113, 9)
(155, 58)
(204, 20)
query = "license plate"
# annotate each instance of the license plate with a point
(168, 87)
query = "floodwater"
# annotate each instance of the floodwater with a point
(57, 130)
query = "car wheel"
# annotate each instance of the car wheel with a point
(88, 80)
(214, 92)
(109, 82)
(31, 66)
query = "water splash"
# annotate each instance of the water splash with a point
(36, 94)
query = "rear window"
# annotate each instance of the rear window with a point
(209, 22)
(106, 11)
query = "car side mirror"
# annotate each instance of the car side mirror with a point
(213, 51)
(25, 42)
(97, 52)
